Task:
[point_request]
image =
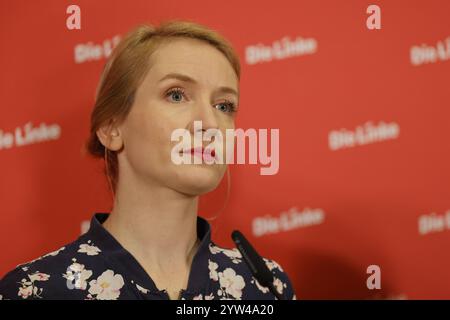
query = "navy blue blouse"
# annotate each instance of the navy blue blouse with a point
(96, 266)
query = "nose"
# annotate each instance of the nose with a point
(203, 111)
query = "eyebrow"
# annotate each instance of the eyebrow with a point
(185, 78)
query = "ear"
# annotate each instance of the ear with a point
(110, 137)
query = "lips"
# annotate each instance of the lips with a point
(206, 154)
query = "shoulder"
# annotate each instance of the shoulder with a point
(228, 265)
(26, 281)
(50, 276)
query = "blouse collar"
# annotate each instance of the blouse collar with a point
(118, 256)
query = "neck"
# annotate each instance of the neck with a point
(157, 225)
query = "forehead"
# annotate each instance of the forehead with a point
(195, 58)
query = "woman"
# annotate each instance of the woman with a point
(153, 245)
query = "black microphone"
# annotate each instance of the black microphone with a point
(254, 261)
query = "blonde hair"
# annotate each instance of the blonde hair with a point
(125, 70)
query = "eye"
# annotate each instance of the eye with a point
(177, 94)
(227, 107)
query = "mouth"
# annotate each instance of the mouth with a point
(205, 154)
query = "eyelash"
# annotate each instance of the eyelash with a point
(231, 106)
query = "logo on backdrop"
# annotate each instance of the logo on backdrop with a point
(361, 135)
(73, 22)
(280, 49)
(374, 280)
(424, 54)
(29, 134)
(373, 22)
(432, 223)
(286, 221)
(90, 51)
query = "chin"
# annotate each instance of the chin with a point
(199, 179)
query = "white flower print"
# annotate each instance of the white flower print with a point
(278, 285)
(213, 270)
(231, 283)
(54, 253)
(29, 288)
(214, 249)
(77, 276)
(260, 287)
(233, 254)
(26, 291)
(38, 276)
(141, 289)
(107, 286)
(209, 296)
(201, 297)
(271, 264)
(90, 250)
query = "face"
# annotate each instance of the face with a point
(188, 81)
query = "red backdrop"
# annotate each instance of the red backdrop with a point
(363, 117)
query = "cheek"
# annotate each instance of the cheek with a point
(142, 128)
(144, 138)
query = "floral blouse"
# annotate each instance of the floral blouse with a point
(96, 266)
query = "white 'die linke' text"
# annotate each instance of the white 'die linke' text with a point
(214, 152)
(29, 134)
